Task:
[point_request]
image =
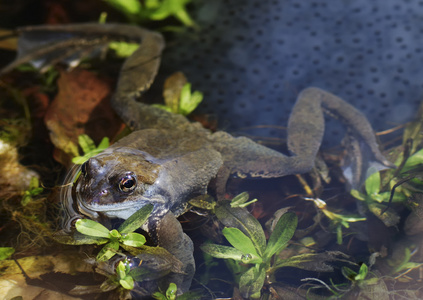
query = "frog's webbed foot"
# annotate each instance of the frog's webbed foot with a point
(245, 158)
(46, 45)
(171, 237)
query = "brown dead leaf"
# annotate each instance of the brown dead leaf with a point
(81, 107)
(172, 90)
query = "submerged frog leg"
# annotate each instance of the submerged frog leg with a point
(245, 158)
(170, 236)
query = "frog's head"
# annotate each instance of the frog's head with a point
(115, 184)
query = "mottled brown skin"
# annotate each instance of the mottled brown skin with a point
(167, 160)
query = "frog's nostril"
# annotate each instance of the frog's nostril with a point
(91, 166)
(84, 168)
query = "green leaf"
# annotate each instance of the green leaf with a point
(91, 228)
(206, 202)
(104, 144)
(239, 240)
(133, 239)
(114, 234)
(356, 194)
(171, 291)
(389, 217)
(123, 49)
(6, 252)
(283, 232)
(136, 220)
(108, 251)
(188, 102)
(296, 261)
(348, 273)
(79, 239)
(164, 107)
(89, 148)
(251, 282)
(159, 296)
(362, 273)
(128, 7)
(240, 218)
(121, 270)
(86, 143)
(241, 200)
(414, 160)
(373, 184)
(174, 8)
(127, 282)
(220, 251)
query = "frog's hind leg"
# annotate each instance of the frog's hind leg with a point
(306, 123)
(245, 158)
(306, 126)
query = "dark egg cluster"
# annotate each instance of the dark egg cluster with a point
(253, 57)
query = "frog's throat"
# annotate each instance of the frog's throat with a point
(121, 210)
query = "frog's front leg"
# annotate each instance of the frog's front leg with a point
(169, 234)
(245, 158)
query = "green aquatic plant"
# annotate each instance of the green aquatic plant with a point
(249, 245)
(338, 221)
(403, 264)
(155, 10)
(88, 147)
(6, 252)
(185, 103)
(33, 190)
(169, 295)
(91, 232)
(123, 275)
(356, 277)
(378, 196)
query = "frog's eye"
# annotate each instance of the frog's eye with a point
(128, 183)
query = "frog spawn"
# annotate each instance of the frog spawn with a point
(253, 57)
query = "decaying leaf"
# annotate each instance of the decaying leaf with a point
(81, 106)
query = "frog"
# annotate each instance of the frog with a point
(167, 160)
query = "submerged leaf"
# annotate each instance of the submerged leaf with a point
(251, 282)
(373, 184)
(239, 240)
(188, 102)
(127, 282)
(389, 217)
(136, 220)
(91, 228)
(108, 251)
(133, 239)
(240, 218)
(220, 251)
(283, 232)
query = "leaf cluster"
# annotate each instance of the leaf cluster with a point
(249, 245)
(98, 234)
(154, 10)
(184, 103)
